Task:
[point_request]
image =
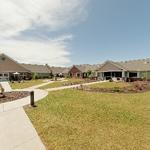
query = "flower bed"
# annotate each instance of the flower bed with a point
(134, 87)
(12, 96)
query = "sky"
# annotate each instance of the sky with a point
(63, 33)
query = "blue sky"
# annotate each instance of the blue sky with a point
(65, 32)
(114, 30)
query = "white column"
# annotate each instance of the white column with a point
(123, 74)
(138, 74)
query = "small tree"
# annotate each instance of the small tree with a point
(34, 76)
(89, 73)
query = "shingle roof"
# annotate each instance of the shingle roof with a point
(66, 70)
(8, 64)
(87, 67)
(132, 65)
(37, 68)
(58, 70)
(136, 65)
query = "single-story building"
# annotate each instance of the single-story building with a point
(59, 71)
(65, 72)
(82, 71)
(39, 71)
(11, 69)
(124, 70)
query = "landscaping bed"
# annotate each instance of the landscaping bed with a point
(134, 87)
(12, 96)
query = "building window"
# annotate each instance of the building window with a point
(133, 74)
(5, 75)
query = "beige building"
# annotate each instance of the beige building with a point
(39, 71)
(10, 68)
(126, 69)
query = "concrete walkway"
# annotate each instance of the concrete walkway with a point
(38, 94)
(16, 130)
(73, 86)
(40, 85)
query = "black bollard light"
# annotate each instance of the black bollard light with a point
(32, 99)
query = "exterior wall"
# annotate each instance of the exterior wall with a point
(145, 74)
(4, 76)
(40, 75)
(44, 75)
(100, 75)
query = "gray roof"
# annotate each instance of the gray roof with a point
(66, 70)
(37, 68)
(87, 67)
(58, 70)
(132, 65)
(8, 64)
(136, 65)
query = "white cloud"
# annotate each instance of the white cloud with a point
(53, 52)
(20, 15)
(17, 16)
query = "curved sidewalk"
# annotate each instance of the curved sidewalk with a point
(16, 130)
(38, 94)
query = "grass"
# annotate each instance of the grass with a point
(26, 84)
(72, 119)
(110, 85)
(59, 83)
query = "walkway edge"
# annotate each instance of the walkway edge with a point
(39, 94)
(73, 86)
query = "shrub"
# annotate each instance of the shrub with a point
(116, 89)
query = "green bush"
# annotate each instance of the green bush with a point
(116, 89)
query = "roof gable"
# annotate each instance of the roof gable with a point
(74, 69)
(7, 64)
(86, 67)
(111, 66)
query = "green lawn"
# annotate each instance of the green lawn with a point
(26, 84)
(79, 120)
(110, 85)
(59, 83)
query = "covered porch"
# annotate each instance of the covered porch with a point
(14, 76)
(112, 74)
(119, 75)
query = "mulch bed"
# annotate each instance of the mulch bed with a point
(134, 87)
(12, 96)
